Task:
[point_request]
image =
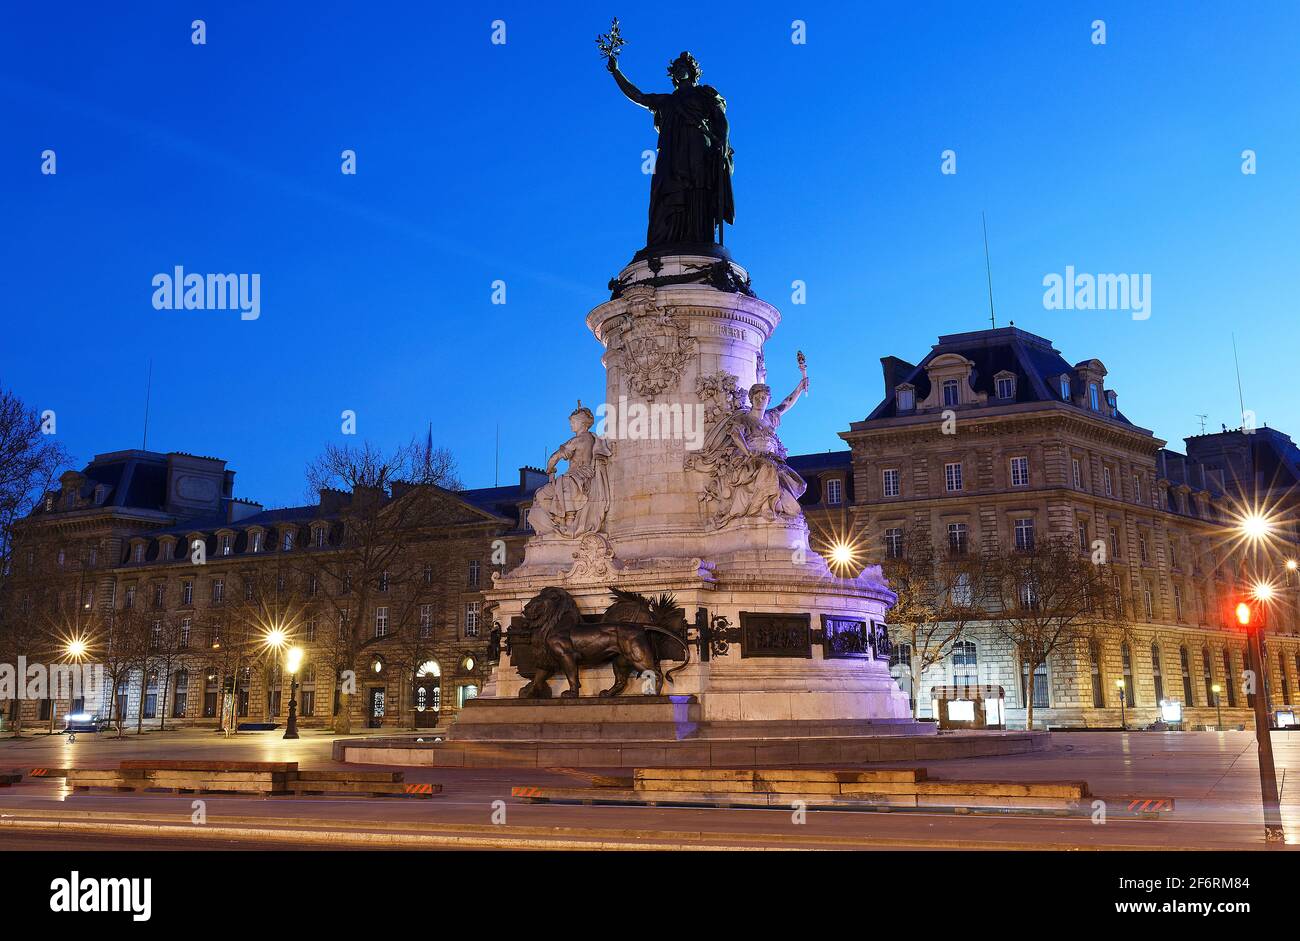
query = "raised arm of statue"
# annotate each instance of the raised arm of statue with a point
(791, 398)
(633, 93)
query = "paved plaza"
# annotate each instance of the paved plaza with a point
(1212, 777)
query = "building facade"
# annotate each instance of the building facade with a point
(193, 597)
(994, 439)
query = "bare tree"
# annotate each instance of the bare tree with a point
(30, 460)
(1051, 596)
(384, 504)
(939, 595)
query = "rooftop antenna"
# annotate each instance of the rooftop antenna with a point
(1202, 418)
(988, 269)
(148, 391)
(1241, 400)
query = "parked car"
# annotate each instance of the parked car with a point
(85, 722)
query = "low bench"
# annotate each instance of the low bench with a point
(263, 778)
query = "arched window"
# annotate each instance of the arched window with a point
(1185, 664)
(1207, 668)
(1157, 675)
(965, 669)
(180, 693)
(307, 690)
(900, 665)
(1098, 681)
(210, 693)
(151, 695)
(1228, 681)
(1126, 661)
(427, 695)
(1040, 687)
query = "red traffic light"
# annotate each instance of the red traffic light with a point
(1247, 613)
(1243, 614)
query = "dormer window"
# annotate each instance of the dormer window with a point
(225, 545)
(257, 542)
(1094, 398)
(139, 552)
(834, 491)
(70, 498)
(1112, 404)
(318, 535)
(951, 393)
(906, 398)
(1006, 387)
(288, 540)
(49, 503)
(1065, 388)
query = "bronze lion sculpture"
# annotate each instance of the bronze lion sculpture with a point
(625, 638)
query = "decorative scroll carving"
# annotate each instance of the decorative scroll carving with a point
(593, 560)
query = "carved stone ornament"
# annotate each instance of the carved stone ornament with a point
(593, 560)
(656, 346)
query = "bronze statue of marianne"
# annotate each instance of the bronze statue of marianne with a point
(690, 191)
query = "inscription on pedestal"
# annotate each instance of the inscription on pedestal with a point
(775, 635)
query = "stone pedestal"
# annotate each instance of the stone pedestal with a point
(683, 340)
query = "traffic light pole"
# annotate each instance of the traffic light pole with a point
(1273, 832)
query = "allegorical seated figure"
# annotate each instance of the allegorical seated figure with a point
(574, 503)
(746, 462)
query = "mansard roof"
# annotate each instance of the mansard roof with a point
(1036, 364)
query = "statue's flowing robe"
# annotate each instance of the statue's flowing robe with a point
(576, 502)
(744, 482)
(690, 191)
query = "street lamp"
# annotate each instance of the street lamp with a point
(1122, 723)
(292, 663)
(1218, 705)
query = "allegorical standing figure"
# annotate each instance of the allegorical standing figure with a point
(690, 190)
(574, 503)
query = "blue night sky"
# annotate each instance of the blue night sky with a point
(522, 162)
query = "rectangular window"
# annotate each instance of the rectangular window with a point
(1106, 482)
(225, 545)
(309, 632)
(426, 620)
(218, 591)
(381, 621)
(187, 592)
(475, 570)
(834, 491)
(180, 695)
(952, 477)
(1093, 398)
(1020, 472)
(894, 543)
(890, 476)
(257, 542)
(307, 704)
(471, 618)
(1024, 527)
(427, 575)
(1148, 600)
(1137, 488)
(1078, 473)
(1041, 699)
(288, 540)
(155, 635)
(1228, 680)
(1178, 602)
(1157, 674)
(1083, 536)
(906, 398)
(957, 538)
(1065, 388)
(951, 393)
(1185, 662)
(187, 625)
(1114, 543)
(1006, 388)
(1143, 552)
(1126, 660)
